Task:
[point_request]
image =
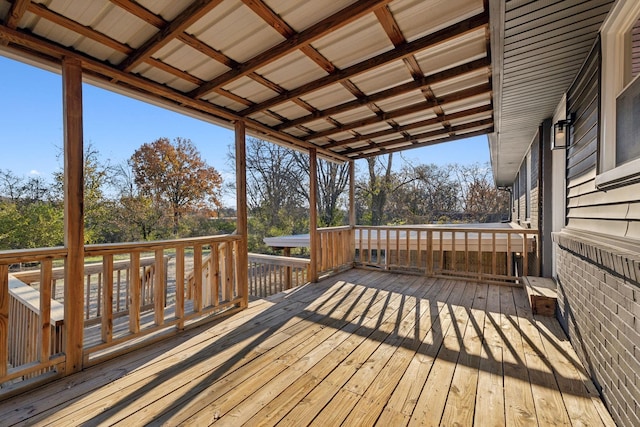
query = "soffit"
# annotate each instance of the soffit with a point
(544, 44)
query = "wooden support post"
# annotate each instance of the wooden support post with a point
(4, 319)
(352, 213)
(313, 213)
(242, 257)
(73, 212)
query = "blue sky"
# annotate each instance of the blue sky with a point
(31, 123)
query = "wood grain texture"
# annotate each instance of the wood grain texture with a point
(360, 348)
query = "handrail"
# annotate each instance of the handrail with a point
(280, 260)
(92, 250)
(31, 255)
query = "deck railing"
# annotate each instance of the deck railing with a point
(138, 293)
(269, 274)
(336, 250)
(178, 295)
(31, 331)
(499, 255)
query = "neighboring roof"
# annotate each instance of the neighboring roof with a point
(352, 78)
(537, 54)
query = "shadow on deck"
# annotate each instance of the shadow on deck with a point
(360, 348)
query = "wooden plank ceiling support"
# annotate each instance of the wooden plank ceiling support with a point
(420, 136)
(188, 17)
(73, 213)
(242, 257)
(315, 32)
(314, 247)
(422, 123)
(157, 21)
(447, 138)
(419, 83)
(430, 40)
(16, 12)
(104, 71)
(403, 111)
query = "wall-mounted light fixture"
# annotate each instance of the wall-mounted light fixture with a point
(561, 132)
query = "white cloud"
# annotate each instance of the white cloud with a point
(34, 172)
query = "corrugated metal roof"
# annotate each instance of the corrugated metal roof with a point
(545, 42)
(354, 78)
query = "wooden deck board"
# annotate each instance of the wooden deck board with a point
(361, 348)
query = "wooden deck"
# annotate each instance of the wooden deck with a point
(361, 348)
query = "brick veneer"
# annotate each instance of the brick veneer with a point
(599, 307)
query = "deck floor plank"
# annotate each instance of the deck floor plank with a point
(361, 348)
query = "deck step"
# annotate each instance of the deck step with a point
(542, 295)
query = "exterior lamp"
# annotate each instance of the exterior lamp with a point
(560, 133)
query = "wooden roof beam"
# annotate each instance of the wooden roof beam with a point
(414, 108)
(420, 83)
(430, 40)
(17, 11)
(320, 29)
(101, 70)
(416, 138)
(425, 143)
(428, 122)
(188, 17)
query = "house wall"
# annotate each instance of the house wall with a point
(526, 189)
(598, 266)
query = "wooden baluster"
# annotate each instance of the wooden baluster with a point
(493, 254)
(479, 260)
(509, 257)
(158, 287)
(419, 249)
(99, 296)
(229, 276)
(214, 273)
(180, 286)
(429, 253)
(441, 264)
(287, 277)
(408, 242)
(197, 277)
(135, 286)
(454, 259)
(87, 308)
(466, 252)
(525, 255)
(107, 299)
(46, 274)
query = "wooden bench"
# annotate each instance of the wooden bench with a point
(542, 295)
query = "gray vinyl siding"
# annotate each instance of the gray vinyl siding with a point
(614, 212)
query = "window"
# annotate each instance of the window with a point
(619, 157)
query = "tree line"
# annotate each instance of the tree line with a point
(166, 190)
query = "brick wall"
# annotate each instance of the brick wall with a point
(599, 302)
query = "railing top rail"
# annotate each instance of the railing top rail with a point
(157, 244)
(339, 228)
(38, 254)
(449, 229)
(279, 260)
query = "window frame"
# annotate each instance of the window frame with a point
(621, 19)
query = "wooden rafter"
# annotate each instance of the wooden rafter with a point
(422, 123)
(391, 92)
(455, 30)
(188, 17)
(404, 111)
(316, 31)
(63, 21)
(452, 130)
(17, 11)
(102, 70)
(448, 138)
